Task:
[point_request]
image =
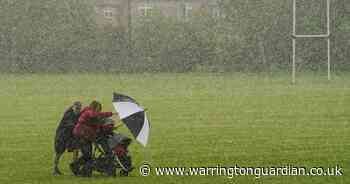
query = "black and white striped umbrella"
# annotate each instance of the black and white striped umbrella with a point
(133, 116)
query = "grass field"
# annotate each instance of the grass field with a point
(196, 119)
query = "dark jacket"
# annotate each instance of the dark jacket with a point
(69, 119)
(64, 138)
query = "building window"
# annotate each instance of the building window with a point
(145, 9)
(215, 11)
(185, 10)
(108, 13)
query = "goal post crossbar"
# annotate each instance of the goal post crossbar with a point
(312, 36)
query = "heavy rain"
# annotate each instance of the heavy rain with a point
(175, 91)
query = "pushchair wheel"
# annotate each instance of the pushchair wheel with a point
(86, 171)
(123, 173)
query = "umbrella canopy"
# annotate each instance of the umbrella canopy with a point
(133, 116)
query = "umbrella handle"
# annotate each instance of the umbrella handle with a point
(117, 126)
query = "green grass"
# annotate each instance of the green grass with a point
(197, 120)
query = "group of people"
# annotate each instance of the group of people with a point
(76, 132)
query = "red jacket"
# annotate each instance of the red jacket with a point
(84, 128)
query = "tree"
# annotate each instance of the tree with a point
(44, 35)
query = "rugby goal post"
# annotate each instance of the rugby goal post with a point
(296, 36)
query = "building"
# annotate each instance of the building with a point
(112, 12)
(119, 13)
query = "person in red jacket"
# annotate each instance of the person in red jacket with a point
(89, 121)
(86, 129)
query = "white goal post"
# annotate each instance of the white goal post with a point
(327, 36)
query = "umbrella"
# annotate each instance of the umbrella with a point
(133, 116)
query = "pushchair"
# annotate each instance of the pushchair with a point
(110, 153)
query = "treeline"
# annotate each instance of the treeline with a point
(252, 36)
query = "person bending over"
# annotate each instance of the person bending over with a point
(86, 128)
(64, 139)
